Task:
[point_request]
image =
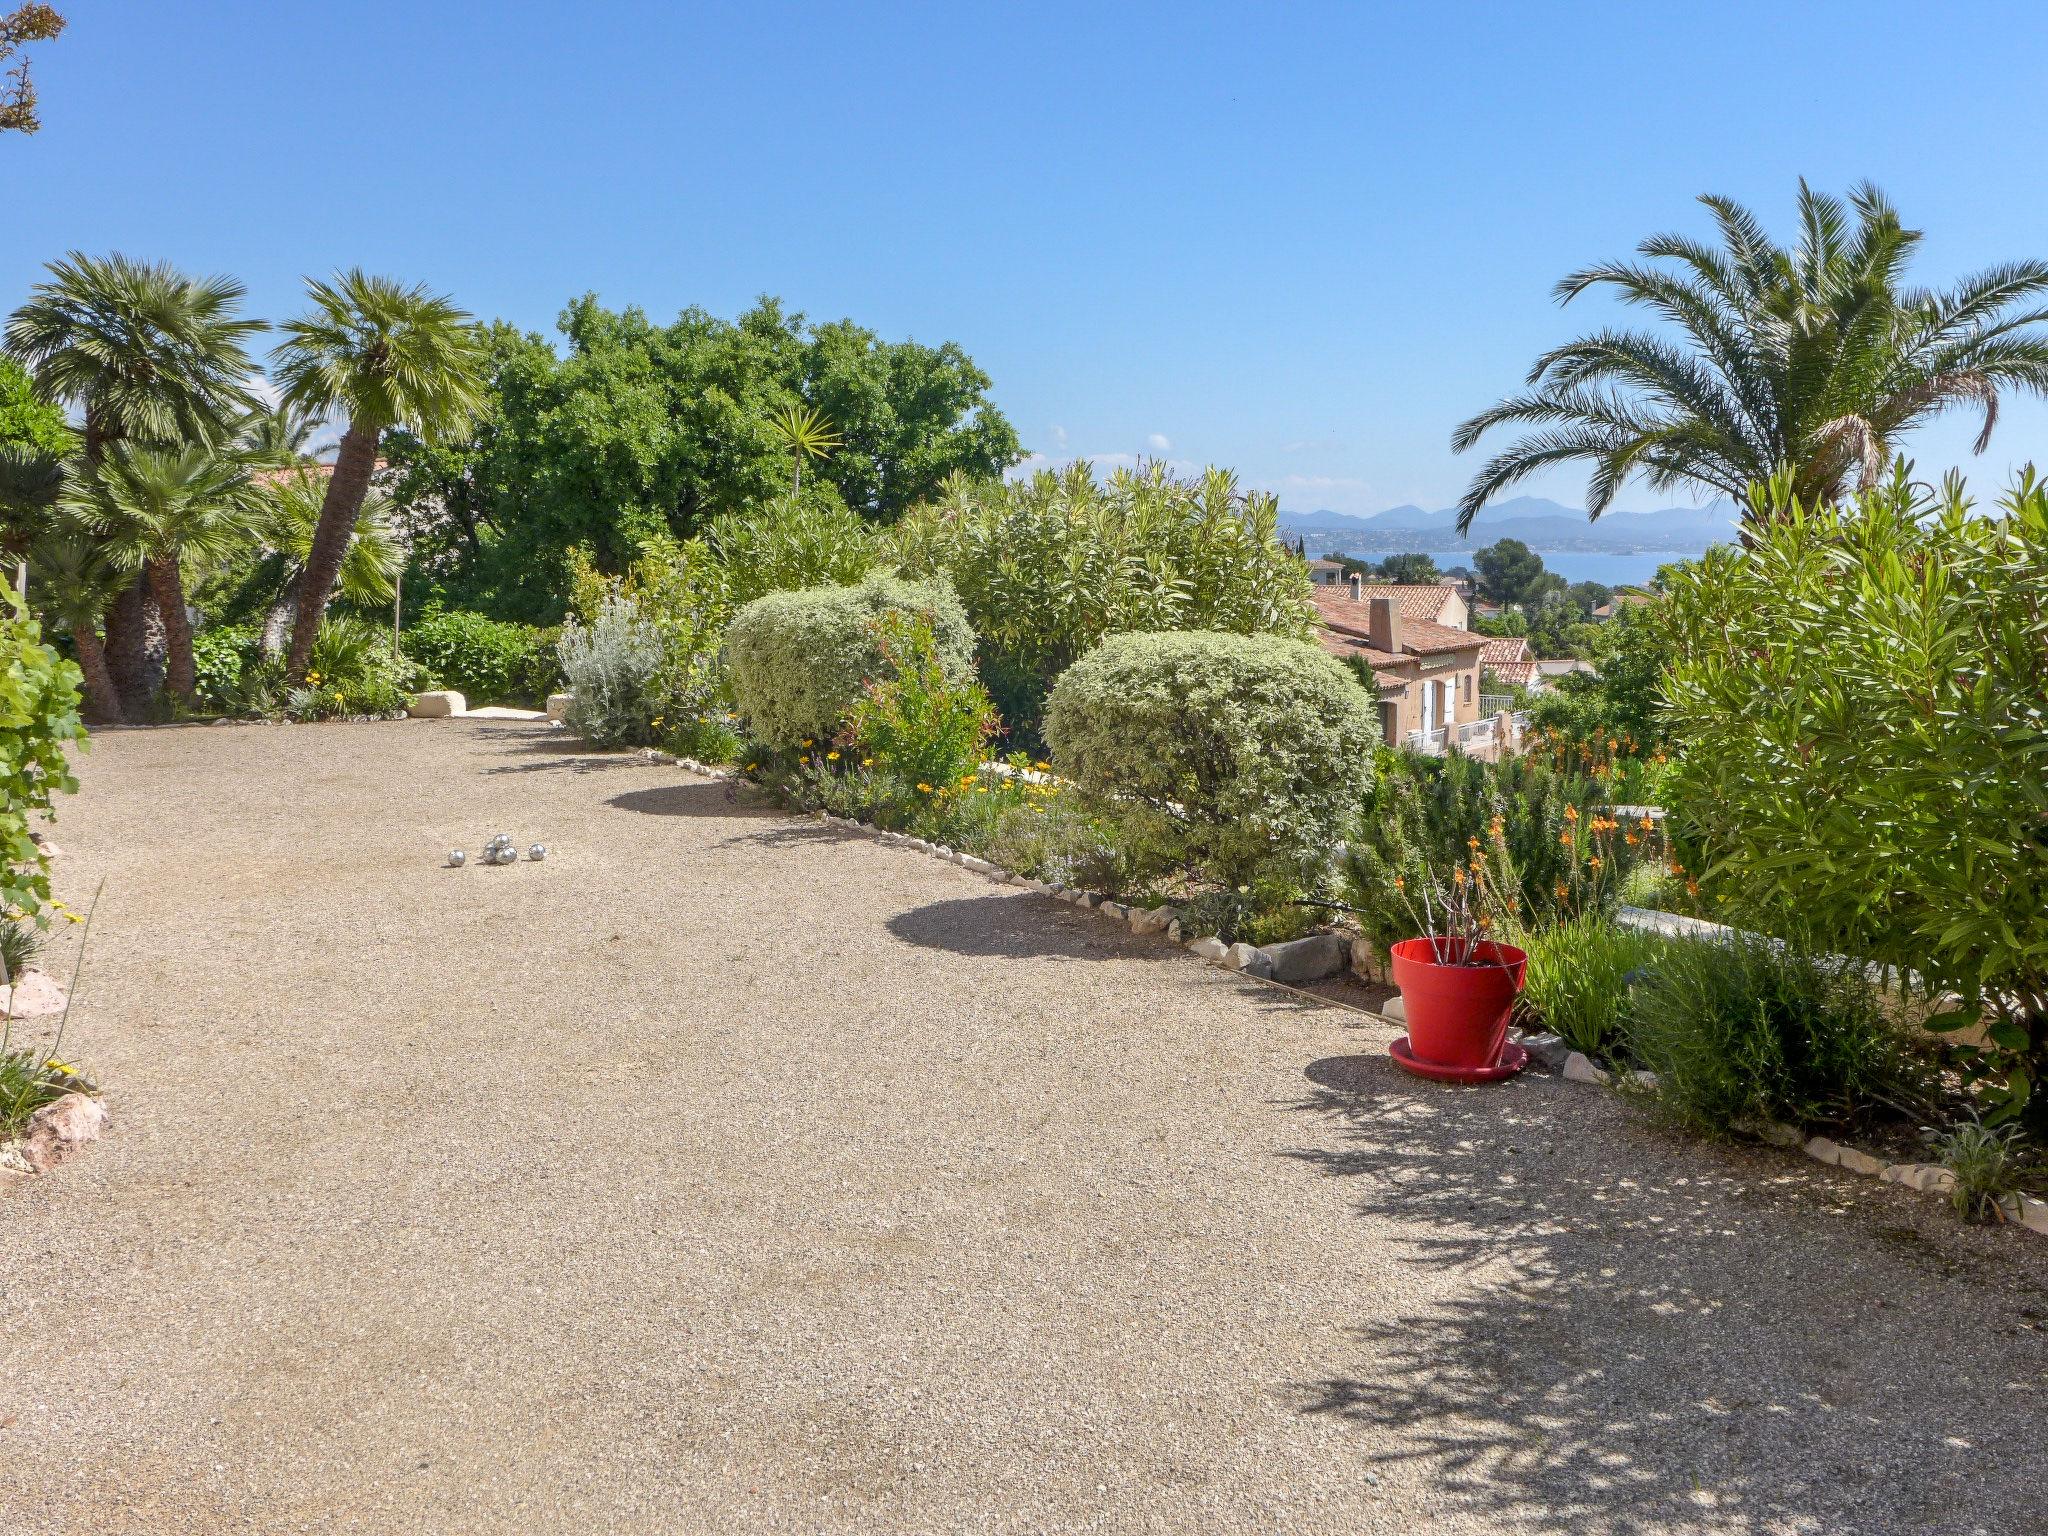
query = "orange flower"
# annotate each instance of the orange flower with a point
(1593, 862)
(1571, 813)
(1692, 887)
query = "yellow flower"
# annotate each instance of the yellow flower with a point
(807, 741)
(923, 788)
(831, 757)
(752, 766)
(64, 1067)
(73, 917)
(867, 762)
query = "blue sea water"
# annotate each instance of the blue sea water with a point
(1610, 570)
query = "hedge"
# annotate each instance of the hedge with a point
(1241, 756)
(797, 659)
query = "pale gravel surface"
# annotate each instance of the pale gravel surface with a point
(727, 1174)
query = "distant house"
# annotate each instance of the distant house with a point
(1509, 658)
(1621, 600)
(1427, 672)
(1564, 666)
(1326, 573)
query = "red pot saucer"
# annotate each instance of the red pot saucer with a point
(1512, 1059)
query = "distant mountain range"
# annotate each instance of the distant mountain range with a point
(1542, 525)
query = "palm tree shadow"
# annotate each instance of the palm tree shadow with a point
(1645, 1337)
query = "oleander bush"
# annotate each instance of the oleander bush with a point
(611, 664)
(1048, 567)
(1744, 1029)
(798, 661)
(1866, 750)
(915, 720)
(1236, 759)
(487, 660)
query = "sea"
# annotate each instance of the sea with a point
(1609, 569)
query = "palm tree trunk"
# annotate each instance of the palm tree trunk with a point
(277, 623)
(102, 699)
(128, 647)
(346, 488)
(168, 587)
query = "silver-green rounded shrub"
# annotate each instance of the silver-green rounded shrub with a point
(797, 660)
(1243, 757)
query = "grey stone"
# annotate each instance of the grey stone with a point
(1821, 1150)
(1780, 1135)
(2034, 1214)
(1301, 961)
(1173, 931)
(1365, 959)
(558, 705)
(1211, 948)
(1114, 910)
(1579, 1068)
(1550, 1050)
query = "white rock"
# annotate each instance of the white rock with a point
(1365, 959)
(1579, 1068)
(60, 1128)
(1173, 931)
(1249, 959)
(1116, 911)
(2034, 1214)
(1648, 1080)
(1154, 921)
(1396, 1008)
(979, 866)
(437, 705)
(1929, 1178)
(1821, 1150)
(558, 705)
(1211, 948)
(35, 996)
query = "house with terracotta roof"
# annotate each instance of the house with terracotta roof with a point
(1427, 672)
(1509, 658)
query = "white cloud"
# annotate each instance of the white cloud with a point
(1159, 442)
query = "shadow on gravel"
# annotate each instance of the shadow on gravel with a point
(701, 799)
(1019, 927)
(1656, 1340)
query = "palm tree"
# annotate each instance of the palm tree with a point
(154, 508)
(806, 434)
(287, 517)
(384, 356)
(147, 354)
(1815, 359)
(279, 436)
(74, 583)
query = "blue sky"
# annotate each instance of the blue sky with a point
(1303, 241)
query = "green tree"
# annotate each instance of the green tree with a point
(154, 508)
(807, 435)
(1417, 570)
(21, 26)
(285, 520)
(1817, 358)
(384, 355)
(1509, 571)
(642, 432)
(73, 581)
(34, 440)
(148, 355)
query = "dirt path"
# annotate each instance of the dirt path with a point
(725, 1174)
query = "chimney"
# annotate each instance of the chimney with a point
(1383, 625)
(1357, 586)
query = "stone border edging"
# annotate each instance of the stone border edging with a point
(1287, 965)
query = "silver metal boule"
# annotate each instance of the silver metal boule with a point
(457, 858)
(537, 852)
(507, 854)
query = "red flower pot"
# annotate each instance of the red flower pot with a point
(1458, 1014)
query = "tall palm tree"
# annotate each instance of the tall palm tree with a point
(1817, 359)
(287, 517)
(382, 355)
(148, 355)
(155, 508)
(279, 436)
(74, 582)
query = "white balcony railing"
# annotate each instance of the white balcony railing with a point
(1481, 738)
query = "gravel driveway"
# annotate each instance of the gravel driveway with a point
(728, 1174)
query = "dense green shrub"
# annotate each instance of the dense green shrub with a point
(350, 673)
(786, 545)
(1239, 757)
(1747, 1029)
(1579, 977)
(1865, 760)
(1553, 848)
(1050, 566)
(39, 702)
(221, 655)
(798, 660)
(487, 660)
(611, 664)
(916, 720)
